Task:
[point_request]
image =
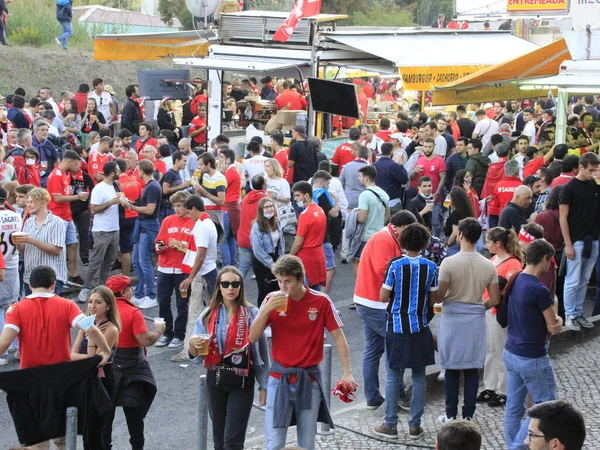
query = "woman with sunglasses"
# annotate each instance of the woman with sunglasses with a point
(268, 244)
(232, 363)
(102, 304)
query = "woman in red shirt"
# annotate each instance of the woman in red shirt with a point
(29, 173)
(508, 259)
(463, 179)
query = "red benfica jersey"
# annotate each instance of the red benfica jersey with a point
(173, 227)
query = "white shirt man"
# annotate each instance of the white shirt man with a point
(529, 129)
(485, 128)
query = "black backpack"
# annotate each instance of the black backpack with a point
(505, 287)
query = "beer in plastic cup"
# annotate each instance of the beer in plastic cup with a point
(203, 347)
(17, 235)
(184, 293)
(159, 320)
(283, 309)
(437, 308)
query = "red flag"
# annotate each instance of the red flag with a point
(303, 8)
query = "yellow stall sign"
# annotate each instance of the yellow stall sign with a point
(536, 6)
(426, 78)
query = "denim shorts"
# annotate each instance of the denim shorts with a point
(329, 255)
(71, 233)
(360, 250)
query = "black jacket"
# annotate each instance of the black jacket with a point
(64, 13)
(512, 216)
(165, 120)
(131, 116)
(478, 165)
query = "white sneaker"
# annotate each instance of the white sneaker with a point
(83, 295)
(175, 343)
(442, 375)
(137, 301)
(3, 361)
(148, 303)
(443, 419)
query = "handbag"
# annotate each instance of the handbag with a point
(226, 376)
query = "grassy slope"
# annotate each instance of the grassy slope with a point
(32, 68)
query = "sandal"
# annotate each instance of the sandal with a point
(498, 400)
(486, 396)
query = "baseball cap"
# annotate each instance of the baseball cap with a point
(117, 283)
(486, 106)
(526, 103)
(109, 88)
(300, 130)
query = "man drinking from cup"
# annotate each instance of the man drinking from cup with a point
(297, 344)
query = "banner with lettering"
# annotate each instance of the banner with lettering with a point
(426, 78)
(537, 6)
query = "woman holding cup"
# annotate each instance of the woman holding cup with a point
(268, 244)
(221, 339)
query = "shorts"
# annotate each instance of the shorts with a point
(329, 255)
(360, 250)
(71, 233)
(126, 235)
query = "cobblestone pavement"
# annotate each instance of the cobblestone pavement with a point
(578, 382)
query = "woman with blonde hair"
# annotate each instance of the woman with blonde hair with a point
(508, 258)
(278, 188)
(102, 305)
(232, 362)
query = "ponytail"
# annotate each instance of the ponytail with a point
(509, 240)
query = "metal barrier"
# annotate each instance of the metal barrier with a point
(71, 431)
(325, 430)
(202, 416)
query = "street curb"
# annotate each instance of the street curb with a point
(563, 341)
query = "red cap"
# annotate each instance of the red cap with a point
(117, 283)
(526, 103)
(358, 82)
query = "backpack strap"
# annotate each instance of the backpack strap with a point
(377, 195)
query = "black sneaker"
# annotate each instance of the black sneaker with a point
(583, 322)
(485, 396)
(384, 431)
(497, 400)
(85, 263)
(344, 261)
(75, 281)
(404, 401)
(375, 404)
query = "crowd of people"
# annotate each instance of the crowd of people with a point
(476, 217)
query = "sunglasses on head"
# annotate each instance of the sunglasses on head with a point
(233, 284)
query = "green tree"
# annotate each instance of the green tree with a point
(382, 16)
(344, 6)
(175, 9)
(427, 10)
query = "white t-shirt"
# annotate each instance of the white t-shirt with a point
(485, 129)
(103, 102)
(254, 166)
(205, 236)
(10, 222)
(529, 131)
(107, 220)
(281, 187)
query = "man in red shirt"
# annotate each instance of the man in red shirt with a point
(197, 130)
(384, 130)
(297, 350)
(363, 103)
(344, 154)
(43, 310)
(145, 130)
(434, 167)
(98, 158)
(380, 249)
(291, 100)
(280, 153)
(537, 159)
(504, 190)
(308, 243)
(247, 216)
(569, 170)
(131, 187)
(61, 195)
(231, 207)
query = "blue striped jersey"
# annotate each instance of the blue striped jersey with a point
(410, 280)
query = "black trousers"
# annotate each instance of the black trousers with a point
(229, 411)
(262, 274)
(135, 425)
(82, 223)
(95, 423)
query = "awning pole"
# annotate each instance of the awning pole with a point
(561, 116)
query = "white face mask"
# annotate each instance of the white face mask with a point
(300, 204)
(269, 215)
(30, 161)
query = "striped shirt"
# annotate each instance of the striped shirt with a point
(213, 184)
(410, 280)
(53, 231)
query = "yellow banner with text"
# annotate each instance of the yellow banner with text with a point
(426, 78)
(536, 6)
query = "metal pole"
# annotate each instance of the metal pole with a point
(327, 362)
(202, 416)
(71, 432)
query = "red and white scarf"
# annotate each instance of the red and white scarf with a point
(236, 351)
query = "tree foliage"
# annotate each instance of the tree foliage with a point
(175, 9)
(390, 16)
(344, 6)
(426, 11)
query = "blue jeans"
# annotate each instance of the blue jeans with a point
(579, 271)
(67, 31)
(245, 260)
(306, 419)
(142, 262)
(435, 219)
(597, 301)
(373, 321)
(229, 247)
(166, 284)
(523, 375)
(393, 383)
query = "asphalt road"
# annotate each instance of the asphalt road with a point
(172, 420)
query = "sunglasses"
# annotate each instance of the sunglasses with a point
(233, 284)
